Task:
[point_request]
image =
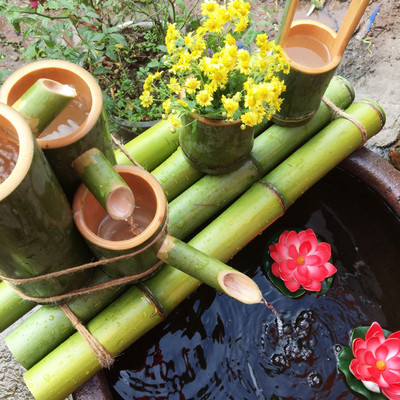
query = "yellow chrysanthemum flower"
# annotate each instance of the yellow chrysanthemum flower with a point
(174, 86)
(230, 105)
(253, 118)
(146, 99)
(174, 121)
(209, 6)
(192, 84)
(171, 37)
(204, 98)
(167, 106)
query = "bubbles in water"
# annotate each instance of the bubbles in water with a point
(297, 342)
(315, 379)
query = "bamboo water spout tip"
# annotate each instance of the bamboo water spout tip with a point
(120, 203)
(239, 286)
(57, 87)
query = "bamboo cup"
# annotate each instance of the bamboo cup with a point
(144, 235)
(314, 51)
(37, 234)
(81, 126)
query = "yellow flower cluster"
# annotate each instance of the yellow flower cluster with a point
(219, 76)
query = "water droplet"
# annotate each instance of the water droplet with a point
(51, 317)
(47, 378)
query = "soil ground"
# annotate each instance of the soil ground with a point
(371, 64)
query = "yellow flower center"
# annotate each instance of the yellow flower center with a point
(300, 260)
(381, 365)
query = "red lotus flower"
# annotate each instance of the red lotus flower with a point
(377, 361)
(300, 260)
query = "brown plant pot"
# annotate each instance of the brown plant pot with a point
(87, 124)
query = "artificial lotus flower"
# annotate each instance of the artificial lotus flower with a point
(301, 261)
(377, 361)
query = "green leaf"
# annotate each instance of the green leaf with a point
(101, 70)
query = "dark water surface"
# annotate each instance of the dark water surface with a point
(213, 347)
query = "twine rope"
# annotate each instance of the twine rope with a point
(125, 152)
(103, 356)
(356, 122)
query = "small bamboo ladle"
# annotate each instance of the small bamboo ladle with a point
(346, 31)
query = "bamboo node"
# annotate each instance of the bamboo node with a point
(276, 193)
(356, 122)
(105, 359)
(158, 307)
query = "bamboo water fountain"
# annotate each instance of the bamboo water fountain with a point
(62, 364)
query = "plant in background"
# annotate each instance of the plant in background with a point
(222, 74)
(114, 40)
(372, 364)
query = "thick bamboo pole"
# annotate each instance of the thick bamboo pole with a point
(54, 378)
(15, 306)
(211, 193)
(185, 215)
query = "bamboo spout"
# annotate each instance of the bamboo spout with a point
(349, 25)
(209, 270)
(104, 182)
(42, 102)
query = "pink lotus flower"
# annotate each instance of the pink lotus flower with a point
(301, 261)
(377, 361)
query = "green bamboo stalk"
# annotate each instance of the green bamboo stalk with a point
(211, 193)
(104, 182)
(13, 304)
(47, 327)
(185, 215)
(209, 270)
(145, 150)
(176, 174)
(54, 378)
(42, 102)
(150, 148)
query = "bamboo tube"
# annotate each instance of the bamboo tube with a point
(209, 270)
(16, 307)
(48, 326)
(104, 182)
(176, 174)
(186, 215)
(82, 124)
(54, 377)
(42, 102)
(32, 203)
(150, 148)
(211, 193)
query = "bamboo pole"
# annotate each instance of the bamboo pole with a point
(72, 363)
(104, 182)
(42, 102)
(15, 306)
(208, 270)
(192, 208)
(150, 148)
